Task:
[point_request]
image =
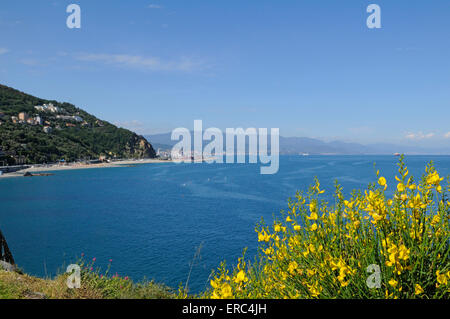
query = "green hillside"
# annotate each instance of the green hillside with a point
(56, 131)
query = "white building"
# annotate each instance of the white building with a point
(48, 108)
(47, 129)
(70, 118)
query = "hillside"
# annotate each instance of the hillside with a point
(35, 130)
(16, 285)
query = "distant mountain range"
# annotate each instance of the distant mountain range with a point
(306, 145)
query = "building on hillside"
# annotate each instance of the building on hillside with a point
(47, 129)
(77, 118)
(48, 108)
(69, 118)
(38, 120)
(14, 119)
(23, 117)
(53, 109)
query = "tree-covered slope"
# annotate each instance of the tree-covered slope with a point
(69, 133)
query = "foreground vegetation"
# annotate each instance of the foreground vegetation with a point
(94, 285)
(320, 250)
(367, 246)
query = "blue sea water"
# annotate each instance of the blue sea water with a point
(150, 219)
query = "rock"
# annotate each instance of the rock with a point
(7, 266)
(35, 295)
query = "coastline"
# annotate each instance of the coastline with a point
(75, 166)
(56, 167)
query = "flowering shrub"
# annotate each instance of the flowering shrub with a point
(368, 246)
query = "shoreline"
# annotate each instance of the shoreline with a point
(56, 167)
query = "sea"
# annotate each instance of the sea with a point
(171, 223)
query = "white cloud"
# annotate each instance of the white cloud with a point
(419, 136)
(154, 6)
(142, 62)
(3, 50)
(447, 135)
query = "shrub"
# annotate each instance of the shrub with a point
(320, 250)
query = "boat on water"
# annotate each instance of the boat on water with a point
(397, 154)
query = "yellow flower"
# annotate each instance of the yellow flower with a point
(400, 187)
(419, 290)
(393, 282)
(214, 284)
(441, 279)
(240, 277)
(226, 291)
(263, 236)
(292, 267)
(436, 220)
(313, 216)
(310, 272)
(314, 227)
(317, 188)
(348, 204)
(382, 182)
(297, 227)
(434, 179)
(416, 203)
(403, 252)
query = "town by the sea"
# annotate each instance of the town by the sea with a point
(151, 219)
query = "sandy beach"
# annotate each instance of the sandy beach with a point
(53, 168)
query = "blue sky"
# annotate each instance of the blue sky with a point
(311, 68)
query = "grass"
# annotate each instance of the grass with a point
(14, 285)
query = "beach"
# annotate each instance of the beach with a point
(74, 166)
(38, 169)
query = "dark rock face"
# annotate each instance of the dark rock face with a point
(139, 147)
(6, 257)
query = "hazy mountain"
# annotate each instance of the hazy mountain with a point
(301, 145)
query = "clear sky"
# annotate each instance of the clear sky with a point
(311, 68)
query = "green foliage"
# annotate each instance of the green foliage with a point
(90, 139)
